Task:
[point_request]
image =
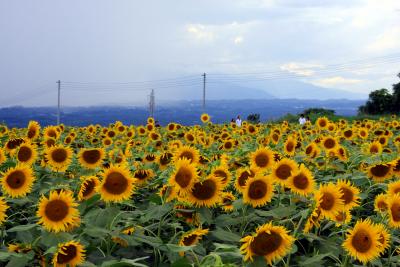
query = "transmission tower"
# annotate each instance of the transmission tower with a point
(152, 103)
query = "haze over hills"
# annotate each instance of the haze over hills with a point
(282, 89)
(184, 112)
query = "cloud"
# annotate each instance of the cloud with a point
(199, 32)
(388, 40)
(335, 81)
(238, 40)
(302, 69)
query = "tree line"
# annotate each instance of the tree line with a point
(382, 101)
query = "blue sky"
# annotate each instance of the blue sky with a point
(126, 40)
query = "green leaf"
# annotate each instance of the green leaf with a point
(278, 213)
(182, 262)
(19, 228)
(155, 212)
(4, 255)
(225, 235)
(177, 248)
(316, 260)
(94, 231)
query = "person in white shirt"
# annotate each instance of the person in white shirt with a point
(238, 121)
(302, 120)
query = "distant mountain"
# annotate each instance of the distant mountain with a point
(185, 112)
(268, 89)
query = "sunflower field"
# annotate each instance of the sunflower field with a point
(281, 194)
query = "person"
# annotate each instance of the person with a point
(238, 121)
(308, 119)
(302, 120)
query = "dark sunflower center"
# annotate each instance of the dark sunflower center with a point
(166, 158)
(329, 143)
(56, 210)
(205, 190)
(243, 178)
(300, 181)
(309, 150)
(257, 189)
(382, 205)
(59, 155)
(361, 241)
(88, 188)
(327, 201)
(91, 156)
(262, 160)
(283, 171)
(183, 177)
(222, 174)
(116, 183)
(24, 154)
(322, 123)
(347, 195)
(189, 240)
(188, 155)
(150, 157)
(228, 145)
(395, 209)
(348, 133)
(380, 170)
(31, 133)
(265, 244)
(52, 133)
(141, 174)
(69, 253)
(16, 179)
(290, 146)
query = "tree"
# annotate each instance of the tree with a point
(396, 97)
(254, 118)
(379, 102)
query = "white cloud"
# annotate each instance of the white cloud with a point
(388, 40)
(200, 32)
(302, 69)
(238, 40)
(335, 81)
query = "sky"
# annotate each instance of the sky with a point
(113, 51)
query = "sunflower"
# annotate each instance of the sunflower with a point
(380, 203)
(107, 141)
(270, 242)
(313, 220)
(33, 130)
(167, 192)
(348, 133)
(71, 254)
(329, 200)
(312, 150)
(227, 201)
(13, 144)
(3, 209)
(3, 157)
(363, 133)
(283, 169)
(205, 118)
(149, 158)
(380, 172)
(374, 148)
(58, 212)
(350, 193)
(51, 132)
(262, 158)
(223, 173)
(206, 193)
(384, 237)
(88, 186)
(184, 176)
(91, 158)
(258, 191)
(143, 175)
(188, 152)
(242, 175)
(290, 146)
(117, 184)
(58, 157)
(329, 143)
(301, 181)
(362, 242)
(395, 167)
(164, 160)
(342, 217)
(191, 238)
(17, 181)
(322, 123)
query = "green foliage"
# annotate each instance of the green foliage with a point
(254, 118)
(382, 101)
(319, 112)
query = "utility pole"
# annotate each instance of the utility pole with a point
(59, 99)
(152, 103)
(204, 92)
